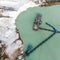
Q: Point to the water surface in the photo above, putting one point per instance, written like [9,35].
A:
[51,49]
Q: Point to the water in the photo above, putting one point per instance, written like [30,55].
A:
[51,49]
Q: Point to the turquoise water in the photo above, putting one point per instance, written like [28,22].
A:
[51,49]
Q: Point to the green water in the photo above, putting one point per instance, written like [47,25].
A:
[51,49]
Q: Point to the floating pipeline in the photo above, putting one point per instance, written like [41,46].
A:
[49,29]
[41,43]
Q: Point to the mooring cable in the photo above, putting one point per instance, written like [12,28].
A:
[41,43]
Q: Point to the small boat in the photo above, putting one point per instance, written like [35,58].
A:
[37,22]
